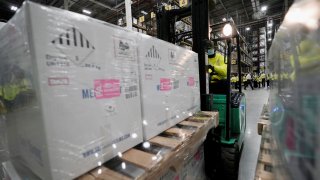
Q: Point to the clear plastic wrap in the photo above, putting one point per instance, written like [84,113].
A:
[295,99]
[70,88]
[169,84]
[76,92]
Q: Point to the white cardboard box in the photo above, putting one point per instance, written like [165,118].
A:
[169,81]
[80,102]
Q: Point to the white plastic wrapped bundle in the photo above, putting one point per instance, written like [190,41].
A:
[71,90]
[70,85]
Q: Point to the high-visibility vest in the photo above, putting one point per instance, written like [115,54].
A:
[220,67]
[244,79]
[10,91]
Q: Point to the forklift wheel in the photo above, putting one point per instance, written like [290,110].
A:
[230,157]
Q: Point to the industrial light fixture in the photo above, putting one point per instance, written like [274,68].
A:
[143,12]
[227,30]
[13,8]
[269,39]
[264,8]
[86,11]
[247,28]
[269,32]
[224,19]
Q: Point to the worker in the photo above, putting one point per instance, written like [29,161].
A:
[263,79]
[218,72]
[268,80]
[244,79]
[237,82]
[233,81]
[271,80]
[259,80]
[15,88]
[255,80]
[249,80]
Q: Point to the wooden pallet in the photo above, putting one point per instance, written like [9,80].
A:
[173,146]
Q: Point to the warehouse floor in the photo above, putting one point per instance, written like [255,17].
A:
[255,101]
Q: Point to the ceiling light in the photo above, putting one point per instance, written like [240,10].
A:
[86,11]
[270,25]
[247,28]
[269,39]
[143,12]
[264,8]
[14,8]
[269,32]
[224,19]
[227,30]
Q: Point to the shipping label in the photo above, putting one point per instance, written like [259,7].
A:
[153,60]
[72,46]
[103,89]
[165,84]
[124,48]
[107,88]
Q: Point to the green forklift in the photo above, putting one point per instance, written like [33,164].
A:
[223,145]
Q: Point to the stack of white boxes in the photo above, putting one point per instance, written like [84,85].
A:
[82,103]
[79,104]
[169,82]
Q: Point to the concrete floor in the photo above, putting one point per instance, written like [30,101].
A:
[255,101]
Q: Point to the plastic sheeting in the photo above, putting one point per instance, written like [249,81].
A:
[295,99]
[77,92]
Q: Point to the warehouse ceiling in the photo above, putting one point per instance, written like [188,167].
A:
[249,13]
[245,13]
[242,11]
[106,10]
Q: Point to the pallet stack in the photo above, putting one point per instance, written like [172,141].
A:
[269,166]
[168,152]
[264,169]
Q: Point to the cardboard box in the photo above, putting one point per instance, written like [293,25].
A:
[76,79]
[169,81]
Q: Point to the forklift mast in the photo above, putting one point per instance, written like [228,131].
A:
[200,32]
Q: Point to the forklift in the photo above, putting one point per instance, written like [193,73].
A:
[223,145]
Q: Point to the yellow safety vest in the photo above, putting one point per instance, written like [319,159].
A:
[10,91]
[244,79]
[308,54]
[220,67]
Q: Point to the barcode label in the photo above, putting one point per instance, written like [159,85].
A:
[131,95]
[131,88]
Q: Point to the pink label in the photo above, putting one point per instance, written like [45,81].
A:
[106,88]
[191,81]
[165,84]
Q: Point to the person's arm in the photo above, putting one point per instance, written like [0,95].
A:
[221,70]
